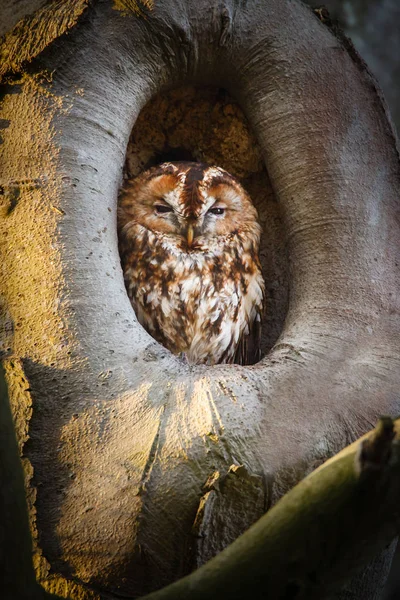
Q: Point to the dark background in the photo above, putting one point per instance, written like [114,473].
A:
[374,28]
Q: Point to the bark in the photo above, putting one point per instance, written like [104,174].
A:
[32,34]
[267,561]
[344,512]
[118,436]
[372,26]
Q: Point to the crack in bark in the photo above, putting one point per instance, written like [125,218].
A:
[151,458]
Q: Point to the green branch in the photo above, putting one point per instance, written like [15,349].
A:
[317,537]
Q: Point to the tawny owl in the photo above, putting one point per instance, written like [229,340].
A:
[189,240]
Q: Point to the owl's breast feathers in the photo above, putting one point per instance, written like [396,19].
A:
[205,303]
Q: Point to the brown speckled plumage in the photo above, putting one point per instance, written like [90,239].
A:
[189,241]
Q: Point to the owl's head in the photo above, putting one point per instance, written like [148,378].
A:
[191,203]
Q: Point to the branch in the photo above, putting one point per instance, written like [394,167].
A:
[317,536]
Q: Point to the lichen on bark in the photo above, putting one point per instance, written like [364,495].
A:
[30,36]
[133,6]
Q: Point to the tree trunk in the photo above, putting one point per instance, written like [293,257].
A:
[120,439]
[355,495]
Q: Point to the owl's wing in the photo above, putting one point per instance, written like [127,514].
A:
[248,350]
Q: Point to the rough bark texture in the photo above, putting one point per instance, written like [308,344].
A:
[122,437]
[35,32]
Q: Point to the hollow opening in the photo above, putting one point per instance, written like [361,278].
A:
[205,124]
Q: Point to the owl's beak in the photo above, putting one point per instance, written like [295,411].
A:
[190,235]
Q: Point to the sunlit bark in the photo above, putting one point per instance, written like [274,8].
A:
[307,546]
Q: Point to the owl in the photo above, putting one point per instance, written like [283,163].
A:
[189,240]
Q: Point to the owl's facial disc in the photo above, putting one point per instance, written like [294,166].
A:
[195,206]
[197,229]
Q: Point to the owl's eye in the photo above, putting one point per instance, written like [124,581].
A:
[162,208]
[216,210]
